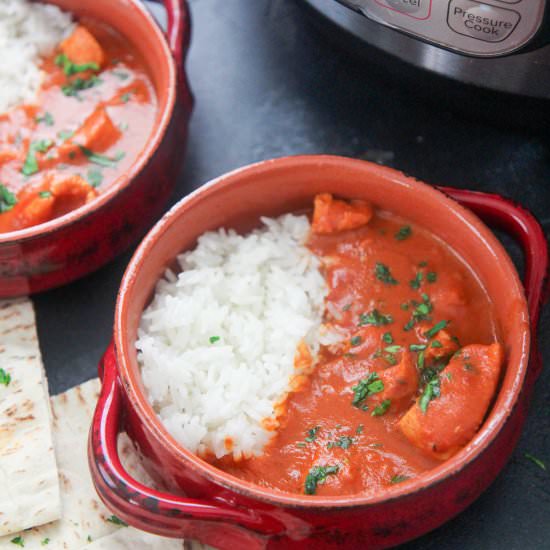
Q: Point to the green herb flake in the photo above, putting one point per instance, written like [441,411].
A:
[102,160]
[448,376]
[383,274]
[431,276]
[213,339]
[392,349]
[64,135]
[469,367]
[312,434]
[46,118]
[375,318]
[405,306]
[117,521]
[7,199]
[70,68]
[398,479]
[89,538]
[121,75]
[300,444]
[423,264]
[77,85]
[349,355]
[355,341]
[404,233]
[387,337]
[95,177]
[376,445]
[125,97]
[343,442]
[390,358]
[30,166]
[346,307]
[318,475]
[417,347]
[359,429]
[435,329]
[18,541]
[5,377]
[45,541]
[416,282]
[382,408]
[436,344]
[535,460]
[421,360]
[431,391]
[365,387]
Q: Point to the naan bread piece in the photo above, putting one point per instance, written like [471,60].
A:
[86,522]
[29,483]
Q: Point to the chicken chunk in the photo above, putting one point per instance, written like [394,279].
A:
[453,406]
[332,215]
[81,47]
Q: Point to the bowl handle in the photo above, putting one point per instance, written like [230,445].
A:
[525,228]
[178,28]
[155,511]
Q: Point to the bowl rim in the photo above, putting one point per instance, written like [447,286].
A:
[427,480]
[125,179]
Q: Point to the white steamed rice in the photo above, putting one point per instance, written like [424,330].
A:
[28,31]
[261,294]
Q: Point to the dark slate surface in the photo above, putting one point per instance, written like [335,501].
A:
[268,84]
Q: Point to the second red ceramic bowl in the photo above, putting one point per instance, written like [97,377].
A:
[227,512]
[63,249]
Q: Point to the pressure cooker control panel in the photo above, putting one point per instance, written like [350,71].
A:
[488,28]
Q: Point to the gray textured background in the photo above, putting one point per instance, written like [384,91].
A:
[268,84]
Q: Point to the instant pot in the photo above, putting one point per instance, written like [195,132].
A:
[497,45]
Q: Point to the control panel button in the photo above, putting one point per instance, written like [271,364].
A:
[418,9]
[481,21]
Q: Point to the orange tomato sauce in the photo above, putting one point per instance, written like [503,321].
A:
[362,421]
[93,115]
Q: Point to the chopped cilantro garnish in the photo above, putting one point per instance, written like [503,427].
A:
[375,318]
[381,409]
[5,377]
[344,442]
[70,68]
[95,177]
[64,135]
[125,97]
[421,360]
[388,338]
[448,376]
[423,264]
[45,194]
[213,339]
[405,306]
[431,276]
[355,341]
[89,538]
[45,541]
[417,347]
[403,233]
[435,329]
[469,367]
[346,307]
[392,349]
[79,84]
[7,199]
[436,344]
[383,274]
[300,444]
[536,461]
[365,387]
[18,541]
[318,475]
[390,358]
[121,75]
[117,521]
[102,160]
[421,311]
[359,429]
[31,164]
[46,118]
[312,434]
[399,479]
[431,391]
[415,283]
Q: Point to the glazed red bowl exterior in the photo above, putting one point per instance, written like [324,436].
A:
[227,512]
[68,247]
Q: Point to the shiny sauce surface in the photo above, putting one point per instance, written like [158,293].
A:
[389,267]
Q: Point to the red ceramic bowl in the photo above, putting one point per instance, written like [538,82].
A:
[71,246]
[227,512]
